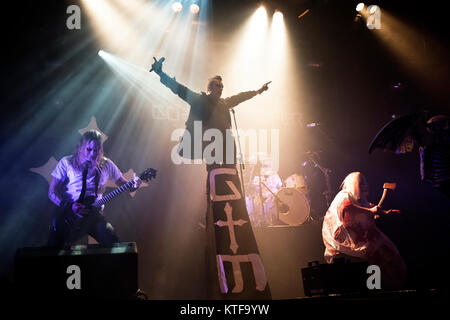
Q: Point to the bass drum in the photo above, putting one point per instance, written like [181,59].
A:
[292,206]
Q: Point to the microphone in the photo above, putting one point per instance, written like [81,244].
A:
[156,61]
[313,124]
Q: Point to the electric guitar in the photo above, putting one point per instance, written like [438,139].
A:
[68,217]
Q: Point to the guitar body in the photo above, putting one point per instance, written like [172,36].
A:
[68,220]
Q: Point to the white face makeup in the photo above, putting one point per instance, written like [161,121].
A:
[89,152]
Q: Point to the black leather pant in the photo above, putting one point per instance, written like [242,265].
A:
[94,224]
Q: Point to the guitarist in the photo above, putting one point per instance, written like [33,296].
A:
[349,230]
[80,179]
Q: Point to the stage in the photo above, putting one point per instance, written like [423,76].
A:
[258,121]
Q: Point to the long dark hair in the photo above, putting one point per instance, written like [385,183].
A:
[91,135]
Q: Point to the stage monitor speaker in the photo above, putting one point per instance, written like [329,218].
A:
[336,278]
[82,271]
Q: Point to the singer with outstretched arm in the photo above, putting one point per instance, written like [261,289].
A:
[209,108]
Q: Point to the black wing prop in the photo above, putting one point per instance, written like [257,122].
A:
[399,134]
[433,138]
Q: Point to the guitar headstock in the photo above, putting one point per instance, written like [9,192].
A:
[148,174]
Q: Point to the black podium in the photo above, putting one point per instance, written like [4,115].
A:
[81,271]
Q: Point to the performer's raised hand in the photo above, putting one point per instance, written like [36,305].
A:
[264,87]
[386,212]
[157,65]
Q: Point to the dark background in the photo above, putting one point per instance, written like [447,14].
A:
[351,94]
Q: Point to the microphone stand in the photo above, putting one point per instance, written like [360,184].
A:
[261,198]
[241,162]
[326,172]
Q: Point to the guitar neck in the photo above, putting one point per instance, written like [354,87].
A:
[108,197]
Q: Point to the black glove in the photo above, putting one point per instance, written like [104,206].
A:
[157,66]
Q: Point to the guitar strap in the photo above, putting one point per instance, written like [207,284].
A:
[83,188]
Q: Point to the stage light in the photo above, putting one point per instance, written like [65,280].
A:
[277,40]
[101,53]
[259,20]
[194,8]
[278,16]
[360,7]
[177,6]
[277,30]
[372,9]
[261,11]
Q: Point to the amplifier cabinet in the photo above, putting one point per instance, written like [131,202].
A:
[84,271]
[335,278]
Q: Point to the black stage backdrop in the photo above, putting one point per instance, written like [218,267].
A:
[53,84]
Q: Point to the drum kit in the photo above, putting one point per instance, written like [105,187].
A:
[271,201]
